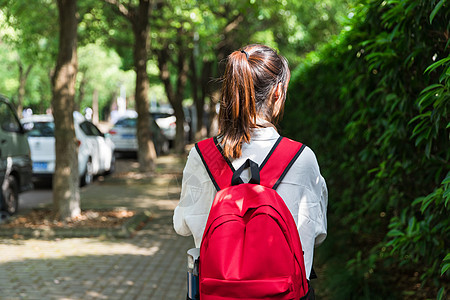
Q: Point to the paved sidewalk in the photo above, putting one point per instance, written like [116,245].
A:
[150,265]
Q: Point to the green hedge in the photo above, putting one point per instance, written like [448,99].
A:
[374,106]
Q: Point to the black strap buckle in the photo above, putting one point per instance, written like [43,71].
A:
[254,170]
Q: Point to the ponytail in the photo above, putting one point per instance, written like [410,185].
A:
[237,105]
[247,91]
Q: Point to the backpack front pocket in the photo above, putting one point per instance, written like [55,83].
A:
[271,288]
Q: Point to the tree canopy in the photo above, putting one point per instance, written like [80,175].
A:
[214,29]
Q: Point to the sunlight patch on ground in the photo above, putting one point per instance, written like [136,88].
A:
[41,249]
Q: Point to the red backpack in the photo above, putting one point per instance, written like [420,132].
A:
[250,247]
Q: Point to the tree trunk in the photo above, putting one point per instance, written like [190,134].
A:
[66,196]
[183,69]
[139,19]
[23,75]
[175,97]
[198,101]
[141,28]
[213,128]
[180,136]
[95,112]
[81,90]
[206,75]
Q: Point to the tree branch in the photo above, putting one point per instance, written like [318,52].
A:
[228,30]
[233,24]
[28,70]
[123,10]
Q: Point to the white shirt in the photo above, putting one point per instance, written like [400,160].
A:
[303,189]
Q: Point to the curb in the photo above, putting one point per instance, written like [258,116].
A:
[127,230]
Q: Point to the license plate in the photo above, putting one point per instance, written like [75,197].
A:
[39,166]
[128,136]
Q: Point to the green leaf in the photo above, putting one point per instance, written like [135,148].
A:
[421,116]
[417,201]
[445,268]
[433,66]
[419,129]
[426,203]
[427,99]
[411,226]
[430,87]
[435,10]
[428,146]
[446,179]
[395,232]
[440,294]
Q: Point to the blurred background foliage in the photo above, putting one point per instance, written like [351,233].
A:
[369,94]
[213,28]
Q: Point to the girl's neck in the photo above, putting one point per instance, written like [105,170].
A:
[262,123]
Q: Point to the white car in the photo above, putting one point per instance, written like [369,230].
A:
[167,123]
[95,152]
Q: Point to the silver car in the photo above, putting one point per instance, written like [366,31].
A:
[123,135]
[15,160]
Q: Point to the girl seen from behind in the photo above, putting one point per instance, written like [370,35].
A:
[253,94]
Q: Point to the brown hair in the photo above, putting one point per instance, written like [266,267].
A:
[251,77]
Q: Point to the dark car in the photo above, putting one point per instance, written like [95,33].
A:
[15,159]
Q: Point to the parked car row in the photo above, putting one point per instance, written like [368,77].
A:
[27,148]
[27,152]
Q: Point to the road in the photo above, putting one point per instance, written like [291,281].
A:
[35,198]
[42,194]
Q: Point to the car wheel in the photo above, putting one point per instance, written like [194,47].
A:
[165,147]
[10,201]
[157,149]
[88,175]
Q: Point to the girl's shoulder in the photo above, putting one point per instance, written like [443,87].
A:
[193,161]
[307,162]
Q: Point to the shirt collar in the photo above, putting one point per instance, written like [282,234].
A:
[264,134]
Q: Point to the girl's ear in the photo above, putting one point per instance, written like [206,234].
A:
[278,91]
[278,99]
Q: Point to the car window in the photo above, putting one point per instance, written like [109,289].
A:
[9,121]
[157,115]
[90,129]
[40,129]
[128,122]
[95,130]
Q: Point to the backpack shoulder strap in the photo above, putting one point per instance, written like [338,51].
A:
[278,162]
[219,168]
